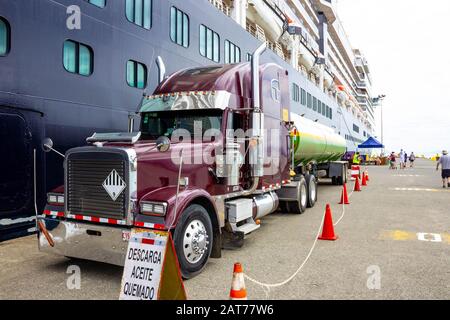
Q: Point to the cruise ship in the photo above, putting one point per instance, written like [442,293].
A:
[69,68]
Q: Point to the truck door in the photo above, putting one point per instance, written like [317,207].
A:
[275,100]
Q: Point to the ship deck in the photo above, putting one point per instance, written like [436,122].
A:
[396,228]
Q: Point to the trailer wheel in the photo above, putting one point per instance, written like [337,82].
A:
[299,206]
[311,182]
[340,181]
[193,238]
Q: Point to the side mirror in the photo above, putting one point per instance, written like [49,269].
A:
[163,144]
[47,145]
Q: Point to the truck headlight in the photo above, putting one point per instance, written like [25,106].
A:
[55,198]
[153,208]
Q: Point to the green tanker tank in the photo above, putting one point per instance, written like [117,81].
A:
[314,142]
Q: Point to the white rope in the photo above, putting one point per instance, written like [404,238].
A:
[267,286]
[343,209]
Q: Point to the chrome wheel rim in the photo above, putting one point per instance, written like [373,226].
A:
[195,241]
[312,189]
[303,195]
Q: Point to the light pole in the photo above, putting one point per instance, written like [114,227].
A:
[378,101]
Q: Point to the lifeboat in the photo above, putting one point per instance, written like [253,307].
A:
[306,58]
[272,25]
[342,95]
[328,80]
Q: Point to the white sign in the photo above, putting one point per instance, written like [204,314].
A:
[143,265]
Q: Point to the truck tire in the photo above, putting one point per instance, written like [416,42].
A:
[193,238]
[311,183]
[299,206]
[340,181]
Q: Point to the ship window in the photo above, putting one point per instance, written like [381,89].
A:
[249,57]
[5,37]
[323,109]
[355,128]
[209,44]
[98,3]
[139,12]
[136,74]
[303,97]
[232,52]
[309,101]
[78,58]
[295,92]
[315,104]
[331,114]
[179,27]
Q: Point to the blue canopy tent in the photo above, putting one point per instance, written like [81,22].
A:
[371,143]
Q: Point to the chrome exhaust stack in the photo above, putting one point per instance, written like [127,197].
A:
[257,118]
[162,69]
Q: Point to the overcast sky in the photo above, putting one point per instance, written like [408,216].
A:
[407,45]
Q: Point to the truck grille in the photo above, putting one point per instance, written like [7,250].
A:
[86,194]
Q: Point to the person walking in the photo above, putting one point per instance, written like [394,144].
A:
[412,158]
[402,159]
[406,159]
[392,161]
[444,161]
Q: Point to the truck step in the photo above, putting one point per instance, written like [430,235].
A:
[248,228]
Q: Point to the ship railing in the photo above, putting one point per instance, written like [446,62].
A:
[256,31]
[219,4]
[277,48]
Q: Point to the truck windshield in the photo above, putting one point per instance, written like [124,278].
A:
[164,123]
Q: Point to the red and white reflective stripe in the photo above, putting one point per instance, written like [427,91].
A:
[104,220]
[356,171]
[53,213]
[149,225]
[96,219]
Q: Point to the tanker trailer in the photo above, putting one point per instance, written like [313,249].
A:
[316,151]
[315,143]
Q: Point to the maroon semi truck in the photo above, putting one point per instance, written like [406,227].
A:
[212,157]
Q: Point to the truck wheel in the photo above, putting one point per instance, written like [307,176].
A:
[193,240]
[311,182]
[300,205]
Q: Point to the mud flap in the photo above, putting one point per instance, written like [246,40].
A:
[232,241]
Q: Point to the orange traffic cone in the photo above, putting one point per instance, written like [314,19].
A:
[367,175]
[357,186]
[364,180]
[238,291]
[328,227]
[344,197]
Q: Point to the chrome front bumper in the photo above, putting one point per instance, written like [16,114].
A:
[85,241]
